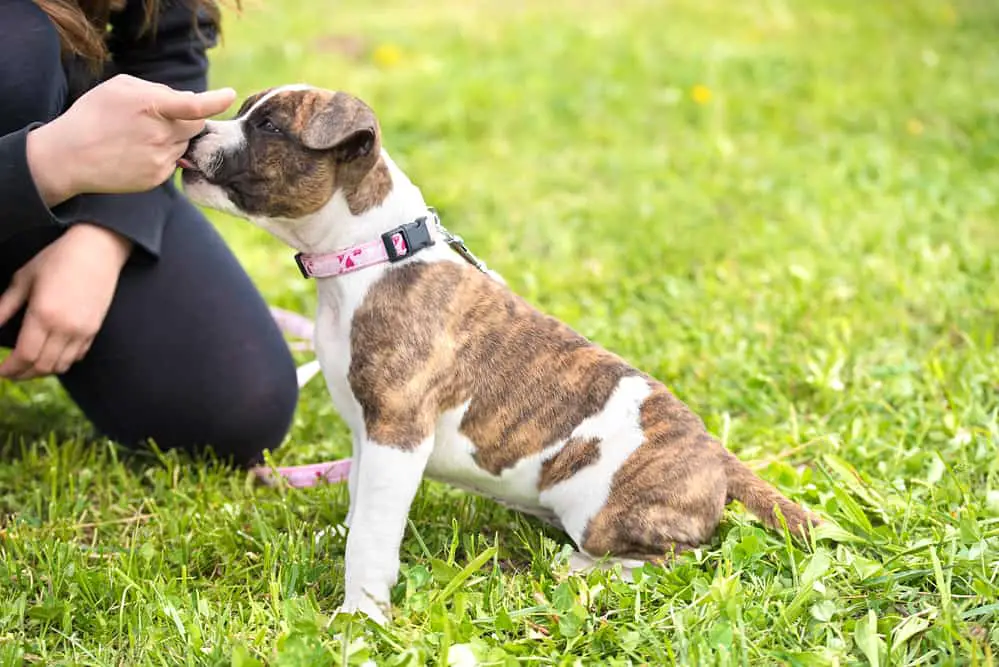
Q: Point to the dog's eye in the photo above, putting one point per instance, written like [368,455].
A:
[267,125]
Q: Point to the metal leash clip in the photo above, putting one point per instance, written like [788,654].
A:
[458,244]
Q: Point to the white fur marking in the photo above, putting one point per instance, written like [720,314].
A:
[203,193]
[291,87]
[619,428]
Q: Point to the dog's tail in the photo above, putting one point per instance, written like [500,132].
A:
[763,500]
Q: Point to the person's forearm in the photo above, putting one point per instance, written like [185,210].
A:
[49,167]
[36,191]
[108,160]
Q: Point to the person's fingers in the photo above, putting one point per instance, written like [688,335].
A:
[15,364]
[84,348]
[183,130]
[177,105]
[48,357]
[178,149]
[71,353]
[29,346]
[13,298]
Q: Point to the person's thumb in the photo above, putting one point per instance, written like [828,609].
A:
[178,105]
[13,298]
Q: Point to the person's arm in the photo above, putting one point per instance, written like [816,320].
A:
[32,195]
[22,204]
[124,136]
[33,191]
[31,198]
[173,54]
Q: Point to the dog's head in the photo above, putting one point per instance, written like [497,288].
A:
[285,156]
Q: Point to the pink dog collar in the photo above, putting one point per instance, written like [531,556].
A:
[399,243]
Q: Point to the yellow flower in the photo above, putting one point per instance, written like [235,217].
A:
[387,55]
[914,126]
[701,94]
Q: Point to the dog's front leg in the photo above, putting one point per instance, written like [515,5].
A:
[355,466]
[387,481]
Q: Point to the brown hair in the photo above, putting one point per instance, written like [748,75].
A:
[82,24]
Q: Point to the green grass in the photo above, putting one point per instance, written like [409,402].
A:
[784,210]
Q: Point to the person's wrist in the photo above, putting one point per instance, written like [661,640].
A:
[51,169]
[111,244]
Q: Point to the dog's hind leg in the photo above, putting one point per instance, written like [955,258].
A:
[387,481]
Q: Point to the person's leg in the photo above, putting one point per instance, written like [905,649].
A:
[189,355]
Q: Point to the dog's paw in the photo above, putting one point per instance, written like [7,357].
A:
[367,607]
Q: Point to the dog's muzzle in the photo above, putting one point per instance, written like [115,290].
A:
[186,160]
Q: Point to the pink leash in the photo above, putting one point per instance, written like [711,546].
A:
[302,476]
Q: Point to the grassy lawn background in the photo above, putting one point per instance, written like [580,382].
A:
[785,211]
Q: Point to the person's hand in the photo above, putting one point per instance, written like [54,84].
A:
[124,135]
[68,287]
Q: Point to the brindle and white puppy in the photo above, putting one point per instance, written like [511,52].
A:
[441,370]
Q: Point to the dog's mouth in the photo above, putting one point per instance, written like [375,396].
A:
[190,172]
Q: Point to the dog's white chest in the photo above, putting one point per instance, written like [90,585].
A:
[333,351]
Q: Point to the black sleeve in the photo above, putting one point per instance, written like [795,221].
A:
[31,92]
[139,217]
[174,54]
[20,200]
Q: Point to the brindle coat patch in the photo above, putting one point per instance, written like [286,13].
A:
[575,454]
[429,337]
[371,191]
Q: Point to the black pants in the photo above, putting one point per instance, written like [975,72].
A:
[188,355]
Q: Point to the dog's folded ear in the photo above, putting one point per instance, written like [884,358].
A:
[346,126]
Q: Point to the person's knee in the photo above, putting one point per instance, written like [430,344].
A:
[258,418]
[234,418]
[235,424]
[32,82]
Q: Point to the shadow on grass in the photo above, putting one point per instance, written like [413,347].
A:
[38,417]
